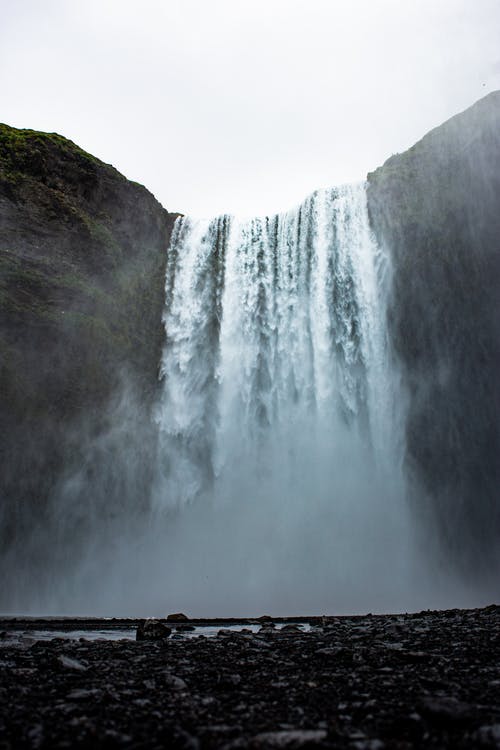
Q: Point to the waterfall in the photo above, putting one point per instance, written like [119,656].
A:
[276,336]
[280,451]
[271,479]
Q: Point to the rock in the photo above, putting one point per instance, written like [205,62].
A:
[267,627]
[177,617]
[35,735]
[151,630]
[174,682]
[70,663]
[84,694]
[256,692]
[368,745]
[447,709]
[488,736]
[289,739]
[415,657]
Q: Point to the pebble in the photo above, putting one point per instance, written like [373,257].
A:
[338,686]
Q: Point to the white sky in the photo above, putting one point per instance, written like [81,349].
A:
[244,106]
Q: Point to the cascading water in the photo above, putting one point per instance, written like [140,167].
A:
[272,479]
[279,434]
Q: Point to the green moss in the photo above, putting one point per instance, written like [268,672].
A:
[17,146]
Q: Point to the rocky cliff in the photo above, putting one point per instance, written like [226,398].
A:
[82,261]
[437,209]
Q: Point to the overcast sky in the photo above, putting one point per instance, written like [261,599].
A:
[245,107]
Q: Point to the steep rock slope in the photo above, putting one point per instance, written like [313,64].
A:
[437,209]
[82,260]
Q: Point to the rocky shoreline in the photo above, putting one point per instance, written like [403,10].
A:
[426,680]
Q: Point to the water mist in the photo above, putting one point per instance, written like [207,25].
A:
[281,416]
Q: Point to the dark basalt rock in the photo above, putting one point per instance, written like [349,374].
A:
[436,208]
[177,617]
[151,630]
[346,688]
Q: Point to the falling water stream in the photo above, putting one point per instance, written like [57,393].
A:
[280,416]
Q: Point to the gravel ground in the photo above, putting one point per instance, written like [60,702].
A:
[427,680]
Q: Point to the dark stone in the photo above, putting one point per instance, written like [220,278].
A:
[177,617]
[151,630]
[229,692]
[445,709]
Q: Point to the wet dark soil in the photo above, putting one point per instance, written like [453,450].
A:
[427,680]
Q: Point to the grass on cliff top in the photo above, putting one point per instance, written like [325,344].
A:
[23,154]
[18,147]
[27,140]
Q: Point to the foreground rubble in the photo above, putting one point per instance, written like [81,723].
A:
[427,680]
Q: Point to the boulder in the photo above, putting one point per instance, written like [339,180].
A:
[151,630]
[177,617]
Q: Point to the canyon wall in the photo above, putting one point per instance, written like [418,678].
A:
[436,207]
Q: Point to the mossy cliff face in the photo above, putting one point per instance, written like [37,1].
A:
[437,209]
[82,260]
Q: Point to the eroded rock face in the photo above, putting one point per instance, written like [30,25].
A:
[82,259]
[436,208]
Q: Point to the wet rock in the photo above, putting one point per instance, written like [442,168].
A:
[488,736]
[174,682]
[84,694]
[151,630]
[70,663]
[35,735]
[444,709]
[244,691]
[291,739]
[267,627]
[368,745]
